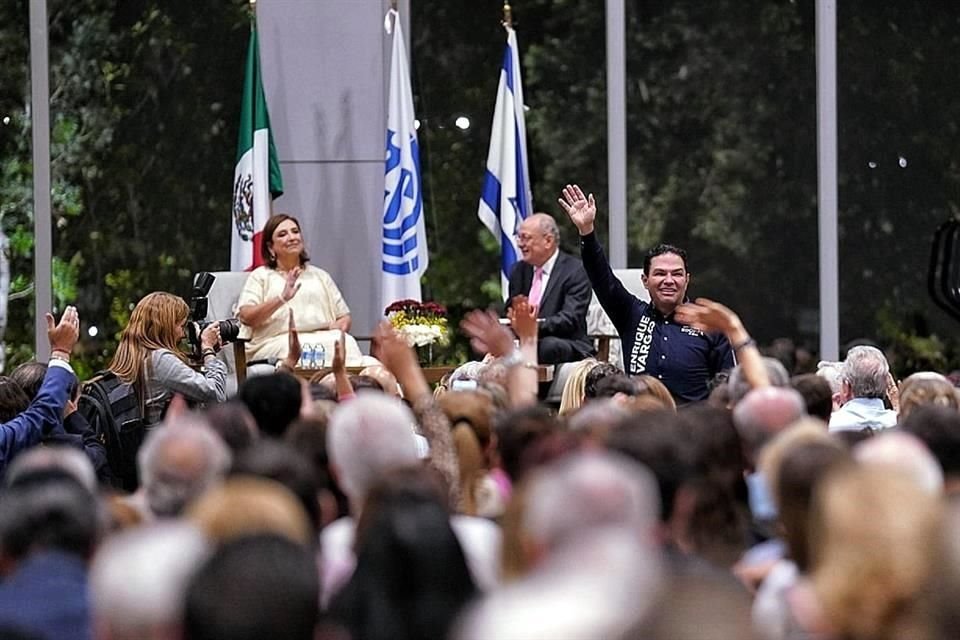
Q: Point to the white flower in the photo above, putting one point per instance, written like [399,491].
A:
[420,335]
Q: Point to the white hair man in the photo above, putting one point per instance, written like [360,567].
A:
[367,437]
[591,548]
[863,386]
[138,580]
[177,462]
[738,385]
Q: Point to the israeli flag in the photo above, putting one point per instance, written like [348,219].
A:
[506,199]
[404,252]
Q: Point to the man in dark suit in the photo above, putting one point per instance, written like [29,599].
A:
[557,285]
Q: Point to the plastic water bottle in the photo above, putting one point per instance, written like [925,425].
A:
[320,354]
[302,362]
[309,357]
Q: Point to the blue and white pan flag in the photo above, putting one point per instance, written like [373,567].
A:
[506,199]
[404,248]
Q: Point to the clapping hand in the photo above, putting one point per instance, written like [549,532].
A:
[393,350]
[581,209]
[523,319]
[486,333]
[339,364]
[291,286]
[293,343]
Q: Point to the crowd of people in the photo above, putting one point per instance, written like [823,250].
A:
[701,491]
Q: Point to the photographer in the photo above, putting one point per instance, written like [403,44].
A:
[150,358]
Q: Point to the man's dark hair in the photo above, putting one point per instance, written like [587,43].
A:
[276,460]
[273,400]
[816,393]
[595,375]
[254,587]
[365,383]
[13,400]
[47,510]
[29,376]
[652,439]
[661,249]
[609,386]
[230,420]
[322,392]
[517,431]
[939,429]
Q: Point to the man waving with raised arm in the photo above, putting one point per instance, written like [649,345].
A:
[683,357]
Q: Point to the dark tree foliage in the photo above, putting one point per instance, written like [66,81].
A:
[721,143]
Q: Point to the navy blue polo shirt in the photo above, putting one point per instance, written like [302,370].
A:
[682,357]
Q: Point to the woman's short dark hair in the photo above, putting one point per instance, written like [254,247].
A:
[267,237]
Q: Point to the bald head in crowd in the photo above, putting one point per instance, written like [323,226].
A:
[738,385]
[765,412]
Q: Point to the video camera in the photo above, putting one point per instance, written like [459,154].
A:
[229,328]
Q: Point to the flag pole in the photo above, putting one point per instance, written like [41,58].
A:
[507,15]
[253,11]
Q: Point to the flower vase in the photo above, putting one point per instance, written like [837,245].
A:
[425,355]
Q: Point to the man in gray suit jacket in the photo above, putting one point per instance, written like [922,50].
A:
[555,283]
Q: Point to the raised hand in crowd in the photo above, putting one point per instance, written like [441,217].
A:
[713,317]
[291,286]
[401,360]
[63,336]
[893,392]
[486,333]
[581,209]
[339,368]
[523,319]
[177,408]
[294,349]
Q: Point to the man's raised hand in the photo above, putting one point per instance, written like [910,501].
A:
[63,335]
[581,209]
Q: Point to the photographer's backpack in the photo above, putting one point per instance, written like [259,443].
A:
[112,407]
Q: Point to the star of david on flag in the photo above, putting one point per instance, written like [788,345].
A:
[506,198]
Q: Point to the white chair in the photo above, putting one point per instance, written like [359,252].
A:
[222,304]
[601,329]
[599,325]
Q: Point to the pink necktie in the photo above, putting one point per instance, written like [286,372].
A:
[536,289]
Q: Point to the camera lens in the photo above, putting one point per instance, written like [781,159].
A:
[229,329]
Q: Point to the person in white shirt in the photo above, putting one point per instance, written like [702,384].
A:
[863,386]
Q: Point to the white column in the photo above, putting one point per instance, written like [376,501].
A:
[40,125]
[827,178]
[617,132]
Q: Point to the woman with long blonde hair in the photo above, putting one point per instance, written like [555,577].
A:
[149,357]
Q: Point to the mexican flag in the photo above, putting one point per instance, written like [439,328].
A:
[256,178]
